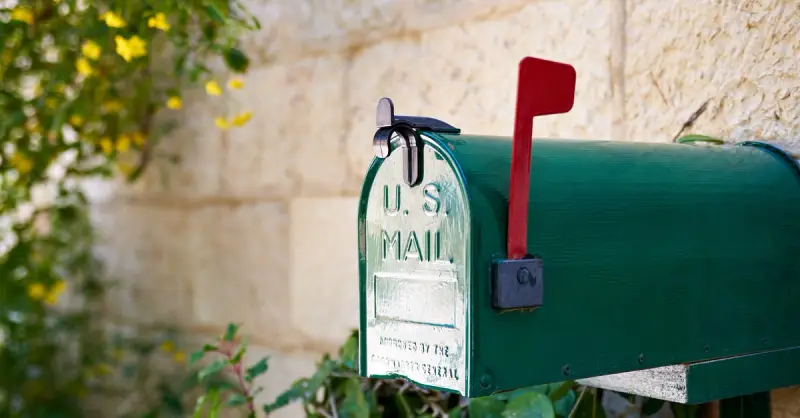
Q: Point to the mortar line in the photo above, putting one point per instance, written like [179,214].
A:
[617,70]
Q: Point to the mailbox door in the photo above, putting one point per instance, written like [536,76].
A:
[414,268]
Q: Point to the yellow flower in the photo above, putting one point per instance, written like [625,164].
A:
[37,291]
[213,89]
[32,125]
[84,67]
[125,168]
[76,120]
[112,106]
[55,293]
[113,20]
[167,346]
[179,357]
[60,88]
[159,21]
[103,369]
[50,102]
[123,143]
[138,139]
[91,49]
[221,123]
[174,102]
[22,14]
[131,48]
[241,119]
[107,145]
[236,83]
[21,163]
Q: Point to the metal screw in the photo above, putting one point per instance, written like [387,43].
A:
[523,275]
[486,381]
[641,358]
[707,348]
[567,370]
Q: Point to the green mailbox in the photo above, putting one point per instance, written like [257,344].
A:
[491,263]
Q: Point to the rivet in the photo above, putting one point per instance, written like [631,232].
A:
[486,381]
[640,359]
[523,275]
[707,348]
[567,370]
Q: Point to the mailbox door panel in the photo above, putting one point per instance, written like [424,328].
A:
[415,273]
[653,254]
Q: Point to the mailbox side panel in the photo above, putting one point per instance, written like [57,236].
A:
[414,271]
[653,254]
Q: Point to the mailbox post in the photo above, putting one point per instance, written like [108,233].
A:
[489,264]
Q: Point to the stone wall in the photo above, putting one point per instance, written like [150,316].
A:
[257,224]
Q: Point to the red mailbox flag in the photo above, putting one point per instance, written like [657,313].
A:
[544,88]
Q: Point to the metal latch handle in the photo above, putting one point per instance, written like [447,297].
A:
[406,127]
[544,88]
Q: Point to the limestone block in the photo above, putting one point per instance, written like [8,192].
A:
[143,249]
[467,74]
[294,28]
[741,57]
[295,142]
[237,263]
[324,267]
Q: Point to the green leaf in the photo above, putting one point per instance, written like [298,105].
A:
[349,351]
[530,405]
[214,13]
[237,358]
[237,60]
[256,23]
[455,412]
[201,401]
[486,407]
[236,399]
[295,392]
[198,355]
[354,404]
[557,390]
[212,368]
[230,333]
[213,411]
[257,369]
[507,396]
[565,404]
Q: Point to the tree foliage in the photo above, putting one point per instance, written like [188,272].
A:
[81,84]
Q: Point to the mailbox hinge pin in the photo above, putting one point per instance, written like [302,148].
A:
[406,127]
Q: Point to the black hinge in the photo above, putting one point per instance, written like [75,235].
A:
[406,127]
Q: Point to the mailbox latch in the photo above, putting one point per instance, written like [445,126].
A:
[406,127]
[517,284]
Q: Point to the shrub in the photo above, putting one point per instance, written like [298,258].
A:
[80,85]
